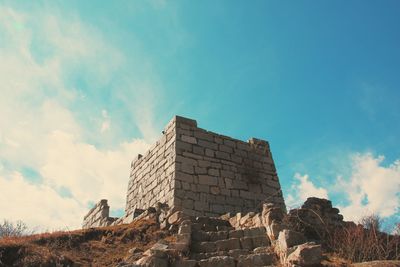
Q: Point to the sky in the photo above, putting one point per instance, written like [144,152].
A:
[87,85]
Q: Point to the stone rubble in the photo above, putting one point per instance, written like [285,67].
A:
[215,241]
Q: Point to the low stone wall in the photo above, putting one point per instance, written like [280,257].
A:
[98,216]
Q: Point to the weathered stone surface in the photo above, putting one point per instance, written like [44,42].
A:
[235,233]
[152,261]
[315,218]
[289,238]
[177,217]
[273,230]
[260,259]
[305,255]
[190,165]
[235,253]
[184,263]
[220,235]
[246,243]
[218,261]
[228,244]
[204,247]
[98,216]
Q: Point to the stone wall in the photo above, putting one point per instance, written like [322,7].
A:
[98,216]
[151,178]
[203,173]
[216,174]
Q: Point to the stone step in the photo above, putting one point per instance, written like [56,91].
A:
[202,256]
[232,258]
[201,235]
[247,242]
[218,261]
[209,224]
[259,259]
[209,236]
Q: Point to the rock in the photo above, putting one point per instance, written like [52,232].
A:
[383,263]
[260,241]
[185,229]
[235,253]
[307,254]
[204,247]
[228,244]
[183,238]
[260,259]
[235,234]
[252,232]
[246,243]
[218,261]
[273,230]
[289,238]
[220,235]
[271,213]
[177,217]
[184,263]
[152,261]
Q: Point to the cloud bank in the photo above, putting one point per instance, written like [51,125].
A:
[370,188]
[51,169]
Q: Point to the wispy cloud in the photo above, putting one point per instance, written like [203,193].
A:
[43,124]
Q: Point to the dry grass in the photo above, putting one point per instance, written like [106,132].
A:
[359,244]
[103,246]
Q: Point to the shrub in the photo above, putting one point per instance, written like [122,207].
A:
[10,229]
[364,242]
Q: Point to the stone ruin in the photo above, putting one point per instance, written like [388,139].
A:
[221,200]
[198,172]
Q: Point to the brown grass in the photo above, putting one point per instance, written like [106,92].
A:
[103,246]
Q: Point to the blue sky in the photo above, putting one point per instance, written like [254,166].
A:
[87,85]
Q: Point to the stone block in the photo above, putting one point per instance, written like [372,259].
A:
[204,247]
[208,180]
[260,241]
[289,238]
[235,253]
[184,263]
[218,261]
[189,139]
[228,244]
[235,234]
[246,243]
[260,259]
[220,235]
[307,254]
[200,236]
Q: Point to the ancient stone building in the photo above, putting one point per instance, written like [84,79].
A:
[202,173]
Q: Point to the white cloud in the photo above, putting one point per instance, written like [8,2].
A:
[39,129]
[40,206]
[370,188]
[303,189]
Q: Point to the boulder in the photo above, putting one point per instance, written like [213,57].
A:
[218,261]
[289,238]
[307,254]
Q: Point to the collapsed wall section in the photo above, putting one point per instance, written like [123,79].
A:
[151,177]
[98,216]
[216,174]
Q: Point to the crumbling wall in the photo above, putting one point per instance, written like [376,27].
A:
[203,173]
[98,216]
[216,174]
[151,178]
